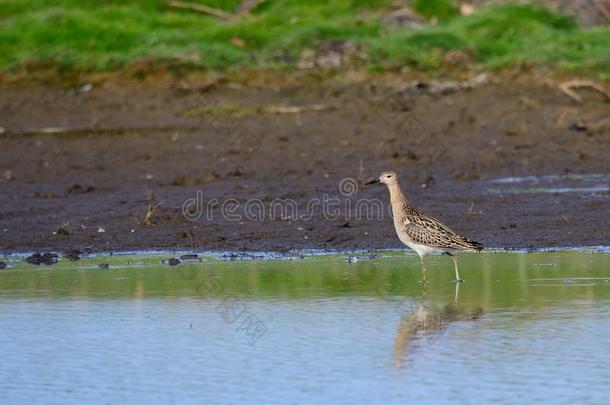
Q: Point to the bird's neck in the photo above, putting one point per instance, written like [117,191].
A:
[400,204]
[396,195]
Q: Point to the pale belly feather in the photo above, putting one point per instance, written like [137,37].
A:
[421,250]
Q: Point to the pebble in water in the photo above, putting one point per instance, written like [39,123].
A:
[190,258]
[46,258]
[72,255]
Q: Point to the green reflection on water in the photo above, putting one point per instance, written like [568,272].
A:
[500,280]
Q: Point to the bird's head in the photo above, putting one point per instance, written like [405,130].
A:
[388,178]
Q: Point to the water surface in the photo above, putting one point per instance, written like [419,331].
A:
[522,327]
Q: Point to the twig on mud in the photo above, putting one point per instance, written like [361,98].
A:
[240,111]
[564,115]
[152,207]
[53,130]
[471,210]
[567,89]
[198,87]
[216,12]
[94,130]
[296,109]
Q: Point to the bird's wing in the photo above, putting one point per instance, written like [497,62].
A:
[432,232]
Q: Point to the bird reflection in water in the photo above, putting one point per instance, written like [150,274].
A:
[423,323]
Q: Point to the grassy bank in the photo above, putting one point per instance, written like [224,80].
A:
[95,35]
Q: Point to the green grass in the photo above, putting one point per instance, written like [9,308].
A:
[98,35]
[441,10]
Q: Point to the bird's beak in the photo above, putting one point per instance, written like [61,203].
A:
[374,181]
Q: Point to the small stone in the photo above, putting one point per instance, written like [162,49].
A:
[103,265]
[402,17]
[64,229]
[578,127]
[7,175]
[78,189]
[46,258]
[72,254]
[190,258]
[85,88]
[467,9]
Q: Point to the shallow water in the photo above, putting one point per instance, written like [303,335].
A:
[591,185]
[522,327]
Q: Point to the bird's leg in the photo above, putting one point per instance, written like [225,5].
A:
[457,273]
[457,294]
[423,270]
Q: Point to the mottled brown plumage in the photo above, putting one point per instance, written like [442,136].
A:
[420,232]
[429,231]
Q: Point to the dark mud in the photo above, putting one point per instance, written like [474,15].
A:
[110,168]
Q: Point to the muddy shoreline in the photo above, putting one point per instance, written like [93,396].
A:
[81,167]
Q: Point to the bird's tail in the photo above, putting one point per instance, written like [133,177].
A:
[475,245]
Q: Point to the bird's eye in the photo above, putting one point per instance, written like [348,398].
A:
[388,176]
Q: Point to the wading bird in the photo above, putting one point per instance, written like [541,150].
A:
[422,233]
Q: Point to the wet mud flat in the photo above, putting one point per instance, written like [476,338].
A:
[152,164]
